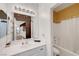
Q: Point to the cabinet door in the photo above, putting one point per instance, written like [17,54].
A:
[39,51]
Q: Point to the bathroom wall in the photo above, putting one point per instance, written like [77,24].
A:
[45,25]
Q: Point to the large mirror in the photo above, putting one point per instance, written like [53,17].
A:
[22,26]
[3,24]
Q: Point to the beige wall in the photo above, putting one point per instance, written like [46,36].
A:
[66,13]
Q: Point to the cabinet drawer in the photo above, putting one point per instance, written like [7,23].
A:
[39,51]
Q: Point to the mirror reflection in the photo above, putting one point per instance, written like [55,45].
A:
[3,24]
[3,28]
[23,26]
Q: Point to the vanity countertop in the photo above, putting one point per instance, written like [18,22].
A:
[16,47]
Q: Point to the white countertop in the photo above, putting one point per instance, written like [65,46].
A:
[17,47]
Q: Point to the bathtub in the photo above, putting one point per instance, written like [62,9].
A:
[65,52]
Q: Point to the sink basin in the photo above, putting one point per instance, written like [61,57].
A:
[18,42]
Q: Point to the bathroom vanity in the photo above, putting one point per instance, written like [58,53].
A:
[29,48]
[21,40]
[38,51]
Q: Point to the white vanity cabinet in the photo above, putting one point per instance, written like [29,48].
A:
[39,51]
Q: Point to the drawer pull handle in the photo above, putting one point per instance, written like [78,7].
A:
[41,49]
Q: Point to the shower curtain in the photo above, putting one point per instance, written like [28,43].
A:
[67,33]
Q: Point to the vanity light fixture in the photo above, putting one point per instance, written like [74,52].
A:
[25,10]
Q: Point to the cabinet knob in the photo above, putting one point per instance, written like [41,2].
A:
[41,49]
